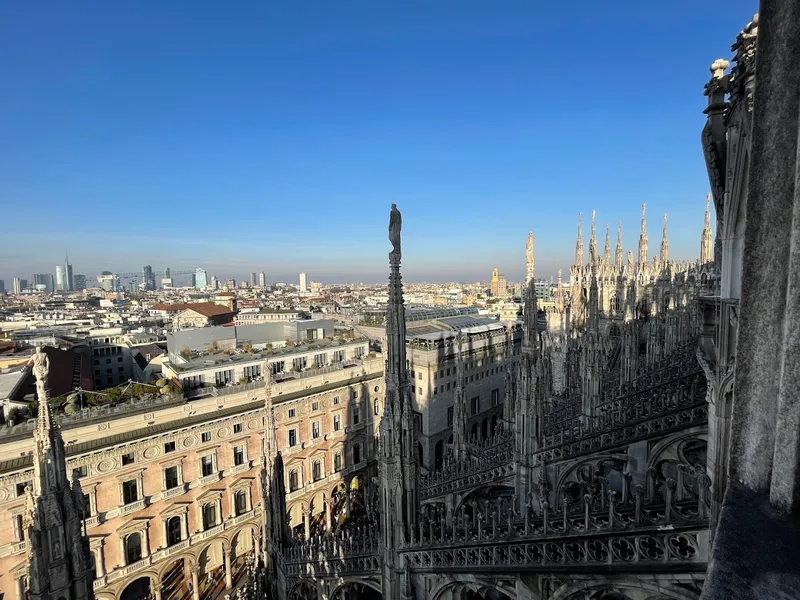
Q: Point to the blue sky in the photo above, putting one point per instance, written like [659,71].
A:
[242,136]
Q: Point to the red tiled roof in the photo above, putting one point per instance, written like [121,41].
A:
[209,309]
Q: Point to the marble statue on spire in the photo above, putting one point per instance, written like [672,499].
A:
[395,223]
[529,257]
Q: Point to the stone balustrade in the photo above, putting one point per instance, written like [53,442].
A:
[164,553]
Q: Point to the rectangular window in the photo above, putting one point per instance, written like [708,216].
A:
[450,417]
[315,429]
[238,456]
[476,405]
[336,399]
[337,461]
[337,422]
[171,477]
[448,370]
[81,471]
[419,390]
[87,506]
[495,396]
[448,386]
[292,413]
[294,481]
[355,394]
[237,428]
[315,406]
[356,454]
[119,359]
[207,465]
[209,515]
[169,447]
[130,491]
[292,437]
[356,416]
[205,436]
[316,470]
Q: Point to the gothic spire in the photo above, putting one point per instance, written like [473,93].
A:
[398,463]
[460,404]
[579,243]
[593,242]
[530,258]
[706,244]
[618,257]
[607,247]
[594,301]
[643,238]
[664,254]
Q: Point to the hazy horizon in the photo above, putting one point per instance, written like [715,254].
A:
[269,136]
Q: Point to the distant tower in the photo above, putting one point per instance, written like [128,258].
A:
[253,279]
[643,238]
[214,282]
[262,279]
[706,243]
[80,282]
[148,278]
[69,280]
[61,279]
[664,254]
[593,243]
[200,278]
[54,511]
[303,283]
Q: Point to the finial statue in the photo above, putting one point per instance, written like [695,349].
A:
[718,68]
[41,366]
[395,223]
[529,248]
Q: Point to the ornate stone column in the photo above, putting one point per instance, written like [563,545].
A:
[196,582]
[307,522]
[20,583]
[226,553]
[329,515]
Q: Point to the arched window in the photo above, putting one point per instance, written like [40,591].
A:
[173,530]
[616,303]
[240,502]
[133,548]
[316,470]
[209,515]
[666,302]
[294,480]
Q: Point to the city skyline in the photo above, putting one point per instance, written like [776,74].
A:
[449,112]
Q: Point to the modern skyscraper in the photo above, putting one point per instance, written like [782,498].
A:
[167,274]
[79,281]
[253,279]
[148,278]
[44,279]
[2,287]
[303,283]
[200,279]
[62,284]
[19,285]
[262,279]
[214,282]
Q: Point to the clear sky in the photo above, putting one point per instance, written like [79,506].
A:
[274,135]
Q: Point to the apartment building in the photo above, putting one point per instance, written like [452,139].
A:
[172,485]
[487,346]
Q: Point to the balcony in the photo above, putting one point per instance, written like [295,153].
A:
[129,508]
[161,554]
[204,535]
[213,478]
[245,466]
[127,570]
[233,522]
[13,548]
[173,492]
[92,521]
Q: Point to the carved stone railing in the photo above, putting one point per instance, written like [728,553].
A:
[492,463]
[333,555]
[563,413]
[597,529]
[673,406]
